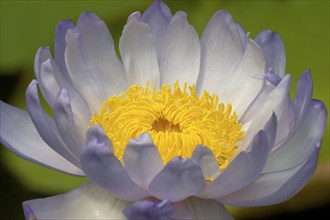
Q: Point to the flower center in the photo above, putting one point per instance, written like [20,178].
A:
[177,121]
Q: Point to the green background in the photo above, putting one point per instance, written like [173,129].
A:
[28,25]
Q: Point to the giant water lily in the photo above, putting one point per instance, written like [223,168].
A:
[175,129]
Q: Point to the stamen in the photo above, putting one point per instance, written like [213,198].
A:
[177,121]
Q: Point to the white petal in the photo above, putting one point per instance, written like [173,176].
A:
[138,52]
[242,87]
[180,58]
[27,143]
[142,160]
[86,202]
[206,209]
[221,53]
[97,50]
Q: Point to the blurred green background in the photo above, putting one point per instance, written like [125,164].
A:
[27,25]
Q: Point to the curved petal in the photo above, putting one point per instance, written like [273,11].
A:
[206,160]
[278,102]
[142,160]
[138,52]
[146,209]
[65,123]
[206,209]
[243,86]
[221,52]
[157,16]
[51,80]
[45,125]
[275,187]
[181,52]
[27,143]
[87,83]
[244,169]
[303,98]
[97,50]
[297,148]
[86,202]
[274,51]
[60,45]
[102,167]
[179,179]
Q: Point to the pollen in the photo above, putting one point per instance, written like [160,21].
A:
[177,120]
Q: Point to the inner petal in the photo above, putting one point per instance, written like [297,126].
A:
[177,121]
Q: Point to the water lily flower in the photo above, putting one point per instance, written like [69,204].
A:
[175,129]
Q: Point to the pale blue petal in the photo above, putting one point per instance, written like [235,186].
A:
[243,170]
[179,179]
[147,210]
[27,143]
[274,51]
[206,160]
[65,123]
[102,167]
[275,187]
[298,146]
[60,45]
[45,125]
[157,16]
[142,160]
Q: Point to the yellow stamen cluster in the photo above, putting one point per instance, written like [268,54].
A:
[177,121]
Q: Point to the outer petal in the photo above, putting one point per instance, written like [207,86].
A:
[278,102]
[102,167]
[244,169]
[297,148]
[64,121]
[206,160]
[221,53]
[180,58]
[45,125]
[138,52]
[241,87]
[86,82]
[275,187]
[27,143]
[157,16]
[303,98]
[146,209]
[179,179]
[86,202]
[51,80]
[97,50]
[273,50]
[142,160]
[60,45]
[206,209]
